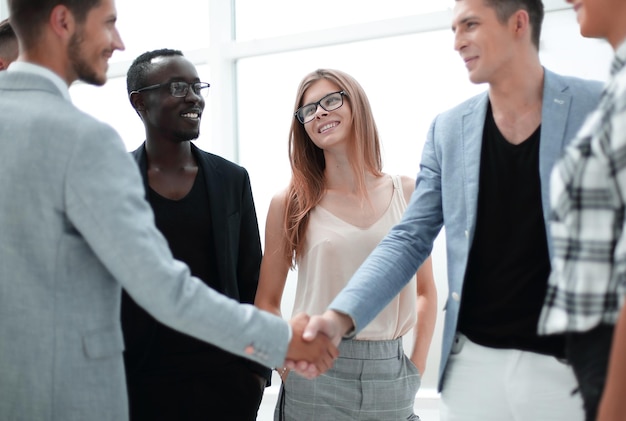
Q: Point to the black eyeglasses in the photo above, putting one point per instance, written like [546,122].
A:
[181,89]
[330,102]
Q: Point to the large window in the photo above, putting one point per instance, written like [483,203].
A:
[152,24]
[264,19]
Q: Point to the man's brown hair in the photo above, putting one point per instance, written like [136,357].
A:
[28,16]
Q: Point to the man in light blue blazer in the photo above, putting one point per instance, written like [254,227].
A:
[75,227]
[484,175]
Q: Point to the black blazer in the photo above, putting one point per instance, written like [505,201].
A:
[237,247]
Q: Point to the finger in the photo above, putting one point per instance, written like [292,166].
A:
[301,317]
[324,362]
[305,373]
[333,351]
[314,325]
[302,365]
[311,372]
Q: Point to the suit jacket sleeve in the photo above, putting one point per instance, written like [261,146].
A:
[105,202]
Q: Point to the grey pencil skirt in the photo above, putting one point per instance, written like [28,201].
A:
[371,380]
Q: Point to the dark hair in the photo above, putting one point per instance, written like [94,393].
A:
[138,71]
[506,8]
[6,31]
[28,16]
[8,42]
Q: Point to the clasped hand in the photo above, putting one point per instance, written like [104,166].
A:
[310,353]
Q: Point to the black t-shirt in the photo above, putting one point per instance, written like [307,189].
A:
[509,264]
[153,348]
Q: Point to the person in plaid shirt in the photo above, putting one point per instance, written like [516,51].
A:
[588,196]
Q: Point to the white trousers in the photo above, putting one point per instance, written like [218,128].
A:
[486,384]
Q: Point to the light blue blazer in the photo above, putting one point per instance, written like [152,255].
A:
[446,194]
[74,229]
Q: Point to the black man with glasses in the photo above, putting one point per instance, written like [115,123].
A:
[204,207]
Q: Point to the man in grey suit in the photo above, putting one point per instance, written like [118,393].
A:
[485,175]
[75,227]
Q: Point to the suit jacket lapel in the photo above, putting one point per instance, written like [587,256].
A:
[473,124]
[555,110]
[557,100]
[142,161]
[217,202]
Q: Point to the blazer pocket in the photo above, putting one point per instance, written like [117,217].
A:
[103,343]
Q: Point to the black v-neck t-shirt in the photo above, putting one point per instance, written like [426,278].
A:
[187,226]
[509,264]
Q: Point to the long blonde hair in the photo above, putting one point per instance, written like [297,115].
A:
[307,161]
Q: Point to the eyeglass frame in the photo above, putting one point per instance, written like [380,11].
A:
[341,93]
[160,85]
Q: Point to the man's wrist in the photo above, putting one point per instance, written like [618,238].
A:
[345,323]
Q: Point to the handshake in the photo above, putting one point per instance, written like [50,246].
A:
[314,341]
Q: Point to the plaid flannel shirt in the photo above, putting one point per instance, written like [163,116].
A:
[588,198]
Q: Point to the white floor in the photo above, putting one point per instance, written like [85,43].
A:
[426,403]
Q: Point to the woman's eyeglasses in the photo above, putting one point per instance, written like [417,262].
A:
[330,102]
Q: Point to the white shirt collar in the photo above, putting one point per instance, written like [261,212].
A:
[26,67]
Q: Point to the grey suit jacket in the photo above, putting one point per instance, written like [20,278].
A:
[74,229]
[446,193]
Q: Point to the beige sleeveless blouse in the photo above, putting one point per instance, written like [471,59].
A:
[333,251]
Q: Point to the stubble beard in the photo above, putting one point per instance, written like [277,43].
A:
[83,69]
[188,135]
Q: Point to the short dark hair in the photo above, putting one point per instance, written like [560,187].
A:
[506,8]
[8,41]
[138,71]
[6,31]
[28,16]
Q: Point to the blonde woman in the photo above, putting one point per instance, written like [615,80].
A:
[337,207]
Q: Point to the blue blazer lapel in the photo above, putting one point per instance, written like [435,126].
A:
[554,114]
[556,105]
[473,124]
